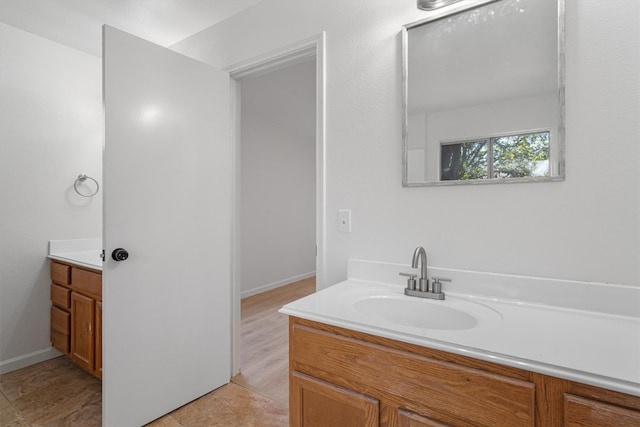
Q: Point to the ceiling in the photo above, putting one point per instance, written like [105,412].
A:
[78,23]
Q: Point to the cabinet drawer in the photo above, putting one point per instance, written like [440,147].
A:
[60,329]
[60,273]
[86,281]
[61,296]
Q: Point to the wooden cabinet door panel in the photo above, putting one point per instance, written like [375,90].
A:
[582,412]
[83,311]
[316,403]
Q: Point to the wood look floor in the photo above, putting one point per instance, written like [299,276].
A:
[265,340]
[59,393]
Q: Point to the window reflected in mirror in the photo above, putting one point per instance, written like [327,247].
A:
[502,157]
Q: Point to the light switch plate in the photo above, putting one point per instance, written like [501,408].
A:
[344,221]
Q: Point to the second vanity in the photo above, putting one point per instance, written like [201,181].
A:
[498,351]
[76,301]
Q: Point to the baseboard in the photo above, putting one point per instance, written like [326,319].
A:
[28,359]
[274,285]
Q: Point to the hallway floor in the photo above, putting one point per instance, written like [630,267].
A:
[59,393]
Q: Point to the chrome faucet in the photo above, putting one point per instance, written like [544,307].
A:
[421,288]
[420,256]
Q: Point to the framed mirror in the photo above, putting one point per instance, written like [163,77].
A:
[483,94]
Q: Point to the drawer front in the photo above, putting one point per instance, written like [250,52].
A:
[86,281]
[60,329]
[60,273]
[583,412]
[61,296]
[489,399]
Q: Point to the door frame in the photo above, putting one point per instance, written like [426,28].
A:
[294,53]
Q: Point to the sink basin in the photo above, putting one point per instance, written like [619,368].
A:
[415,312]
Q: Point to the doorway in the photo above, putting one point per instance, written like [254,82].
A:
[277,178]
[278,101]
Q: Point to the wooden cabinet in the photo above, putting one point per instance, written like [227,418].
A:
[76,314]
[365,380]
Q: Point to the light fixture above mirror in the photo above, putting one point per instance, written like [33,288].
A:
[434,4]
[483,94]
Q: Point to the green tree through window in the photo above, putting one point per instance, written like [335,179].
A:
[512,156]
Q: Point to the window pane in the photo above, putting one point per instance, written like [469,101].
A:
[464,161]
[519,156]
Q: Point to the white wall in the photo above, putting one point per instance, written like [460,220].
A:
[586,228]
[278,205]
[277,178]
[51,114]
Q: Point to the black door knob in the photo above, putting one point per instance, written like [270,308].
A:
[119,254]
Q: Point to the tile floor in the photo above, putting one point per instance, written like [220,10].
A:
[59,393]
[52,393]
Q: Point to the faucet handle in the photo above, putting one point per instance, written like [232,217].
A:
[412,275]
[436,285]
[411,281]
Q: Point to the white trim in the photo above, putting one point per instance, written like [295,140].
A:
[236,227]
[321,164]
[28,359]
[275,285]
[285,56]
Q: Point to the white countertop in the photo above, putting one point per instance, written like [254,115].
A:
[81,252]
[597,348]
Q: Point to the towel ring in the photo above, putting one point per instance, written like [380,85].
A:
[82,178]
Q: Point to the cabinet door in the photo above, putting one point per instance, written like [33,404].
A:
[581,412]
[409,419]
[83,310]
[316,403]
[98,333]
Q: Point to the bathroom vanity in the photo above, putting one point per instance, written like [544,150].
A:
[76,307]
[342,377]
[355,367]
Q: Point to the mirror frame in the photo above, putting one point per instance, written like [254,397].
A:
[454,9]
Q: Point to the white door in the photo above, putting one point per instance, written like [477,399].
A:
[167,202]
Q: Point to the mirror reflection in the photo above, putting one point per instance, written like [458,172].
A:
[484,94]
